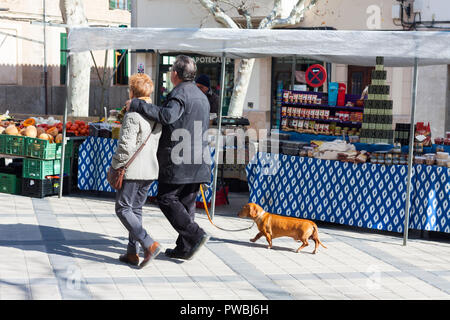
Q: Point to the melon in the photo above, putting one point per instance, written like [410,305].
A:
[12,130]
[31,131]
[58,138]
[44,136]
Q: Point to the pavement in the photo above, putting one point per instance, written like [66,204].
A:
[68,248]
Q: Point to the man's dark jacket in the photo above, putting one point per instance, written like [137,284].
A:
[185,105]
[213,101]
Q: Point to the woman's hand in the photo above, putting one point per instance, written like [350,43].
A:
[127,105]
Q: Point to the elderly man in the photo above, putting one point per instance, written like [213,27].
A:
[181,171]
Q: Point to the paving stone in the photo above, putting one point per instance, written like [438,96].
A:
[50,249]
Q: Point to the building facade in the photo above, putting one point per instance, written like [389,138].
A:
[29,70]
[268,73]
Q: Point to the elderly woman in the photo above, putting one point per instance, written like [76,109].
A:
[139,175]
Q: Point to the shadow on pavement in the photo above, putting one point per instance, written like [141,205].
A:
[259,244]
[78,245]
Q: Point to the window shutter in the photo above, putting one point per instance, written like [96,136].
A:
[63,58]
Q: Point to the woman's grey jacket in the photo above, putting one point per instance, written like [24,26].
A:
[135,129]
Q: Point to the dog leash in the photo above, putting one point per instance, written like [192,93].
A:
[210,220]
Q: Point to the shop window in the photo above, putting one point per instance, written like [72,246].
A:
[120,4]
[358,78]
[284,79]
[210,66]
[63,58]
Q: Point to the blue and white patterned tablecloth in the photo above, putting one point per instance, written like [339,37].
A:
[94,159]
[363,195]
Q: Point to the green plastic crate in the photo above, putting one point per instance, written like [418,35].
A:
[68,152]
[2,143]
[57,166]
[9,183]
[40,149]
[14,145]
[39,169]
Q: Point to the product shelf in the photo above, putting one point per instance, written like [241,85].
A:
[326,120]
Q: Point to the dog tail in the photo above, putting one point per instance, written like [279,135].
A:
[316,236]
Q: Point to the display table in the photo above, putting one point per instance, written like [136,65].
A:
[363,195]
[307,137]
[94,159]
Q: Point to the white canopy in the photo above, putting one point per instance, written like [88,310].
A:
[399,48]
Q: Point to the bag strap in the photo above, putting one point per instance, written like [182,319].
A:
[140,148]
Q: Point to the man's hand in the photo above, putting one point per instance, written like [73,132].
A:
[127,105]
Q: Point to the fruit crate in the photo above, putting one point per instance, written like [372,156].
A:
[68,151]
[39,169]
[2,143]
[37,188]
[14,145]
[67,187]
[10,183]
[40,188]
[40,149]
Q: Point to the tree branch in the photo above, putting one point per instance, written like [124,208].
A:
[272,15]
[244,12]
[219,15]
[295,15]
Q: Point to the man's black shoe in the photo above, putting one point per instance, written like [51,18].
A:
[197,246]
[172,253]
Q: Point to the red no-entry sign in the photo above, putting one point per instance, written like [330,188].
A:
[316,75]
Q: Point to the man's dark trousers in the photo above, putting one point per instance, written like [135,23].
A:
[177,202]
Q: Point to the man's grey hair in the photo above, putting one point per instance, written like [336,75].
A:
[185,67]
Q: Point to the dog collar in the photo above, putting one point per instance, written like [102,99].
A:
[260,215]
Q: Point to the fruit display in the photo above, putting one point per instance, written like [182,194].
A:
[37,127]
[78,128]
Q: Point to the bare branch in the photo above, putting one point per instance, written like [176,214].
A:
[295,15]
[244,12]
[241,10]
[272,15]
[219,15]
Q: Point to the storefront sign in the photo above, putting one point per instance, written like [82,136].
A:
[210,60]
[316,75]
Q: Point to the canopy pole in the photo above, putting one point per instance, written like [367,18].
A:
[293,67]
[219,135]
[156,93]
[63,149]
[410,153]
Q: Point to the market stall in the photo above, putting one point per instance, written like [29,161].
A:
[397,48]
[31,152]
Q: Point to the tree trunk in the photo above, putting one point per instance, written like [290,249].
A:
[72,12]
[242,81]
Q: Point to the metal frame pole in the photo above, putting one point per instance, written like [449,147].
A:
[410,153]
[63,149]
[219,135]
[293,67]
[156,93]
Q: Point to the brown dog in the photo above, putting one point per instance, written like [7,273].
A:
[274,226]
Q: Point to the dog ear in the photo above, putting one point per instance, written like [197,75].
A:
[253,211]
